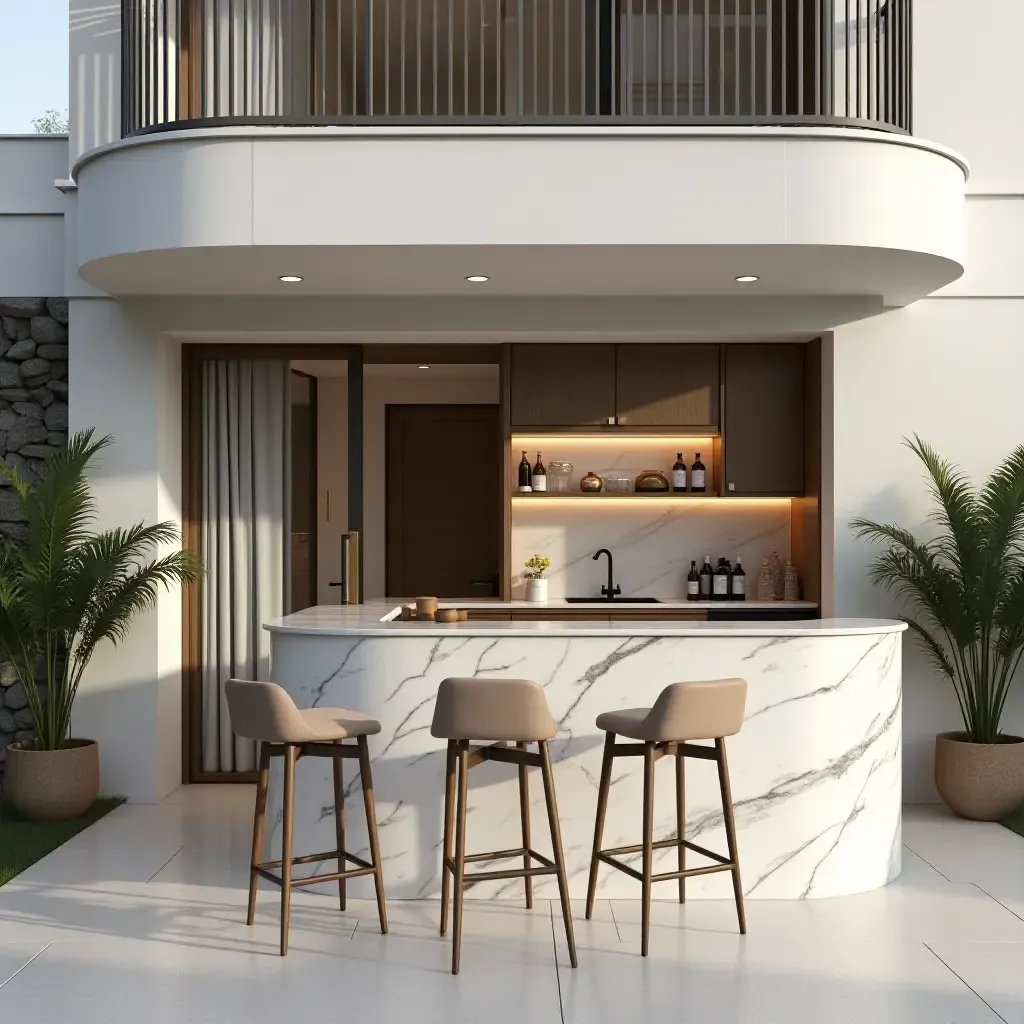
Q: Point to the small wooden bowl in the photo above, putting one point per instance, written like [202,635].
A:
[463,615]
[446,615]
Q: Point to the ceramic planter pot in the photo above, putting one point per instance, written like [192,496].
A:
[537,590]
[981,781]
[52,785]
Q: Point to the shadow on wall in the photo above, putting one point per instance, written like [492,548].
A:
[95,51]
[33,423]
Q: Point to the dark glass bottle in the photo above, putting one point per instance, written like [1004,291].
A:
[539,480]
[705,579]
[679,474]
[739,582]
[693,583]
[720,584]
[698,475]
[525,474]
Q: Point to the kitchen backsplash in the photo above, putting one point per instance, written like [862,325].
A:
[652,543]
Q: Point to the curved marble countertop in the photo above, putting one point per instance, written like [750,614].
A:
[379,618]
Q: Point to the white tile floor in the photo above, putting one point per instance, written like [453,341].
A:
[140,920]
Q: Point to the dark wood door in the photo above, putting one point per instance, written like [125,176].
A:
[764,420]
[562,385]
[444,493]
[667,385]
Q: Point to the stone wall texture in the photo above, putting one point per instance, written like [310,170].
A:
[33,423]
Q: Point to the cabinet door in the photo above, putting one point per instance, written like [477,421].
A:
[764,420]
[562,385]
[667,385]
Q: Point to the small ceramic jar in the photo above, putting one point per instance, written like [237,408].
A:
[591,484]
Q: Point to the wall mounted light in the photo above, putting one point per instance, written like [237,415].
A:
[290,279]
[423,366]
[477,278]
[747,278]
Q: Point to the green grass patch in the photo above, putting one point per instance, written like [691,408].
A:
[23,842]
[1015,822]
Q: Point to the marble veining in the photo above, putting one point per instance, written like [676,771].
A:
[815,770]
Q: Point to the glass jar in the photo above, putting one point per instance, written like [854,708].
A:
[559,474]
[652,481]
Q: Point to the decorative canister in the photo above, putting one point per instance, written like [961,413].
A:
[537,589]
[765,583]
[791,589]
[651,481]
[778,584]
[591,483]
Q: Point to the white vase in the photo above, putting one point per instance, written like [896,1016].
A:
[537,590]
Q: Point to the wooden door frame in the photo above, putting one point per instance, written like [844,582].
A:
[192,358]
[500,496]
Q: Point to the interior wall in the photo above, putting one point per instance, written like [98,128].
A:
[415,387]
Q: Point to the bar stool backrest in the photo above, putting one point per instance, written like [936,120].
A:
[697,711]
[264,712]
[514,710]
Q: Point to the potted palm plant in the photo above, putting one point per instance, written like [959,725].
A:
[64,590]
[965,587]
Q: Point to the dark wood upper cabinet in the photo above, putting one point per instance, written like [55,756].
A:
[764,420]
[667,385]
[562,385]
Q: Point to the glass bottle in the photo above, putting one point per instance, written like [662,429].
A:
[693,583]
[720,584]
[698,475]
[739,581]
[705,579]
[539,479]
[525,474]
[679,474]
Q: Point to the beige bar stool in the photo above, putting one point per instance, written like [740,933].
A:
[499,712]
[265,713]
[682,712]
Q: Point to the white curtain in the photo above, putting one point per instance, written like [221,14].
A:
[246,485]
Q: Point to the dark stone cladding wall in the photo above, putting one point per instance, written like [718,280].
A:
[33,423]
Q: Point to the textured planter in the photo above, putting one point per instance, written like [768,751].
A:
[52,785]
[981,781]
[537,590]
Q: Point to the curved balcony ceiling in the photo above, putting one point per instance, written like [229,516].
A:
[629,211]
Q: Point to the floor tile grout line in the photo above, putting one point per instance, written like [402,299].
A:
[964,983]
[611,908]
[996,899]
[27,964]
[928,862]
[554,949]
[165,863]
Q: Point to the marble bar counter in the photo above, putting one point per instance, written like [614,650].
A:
[815,770]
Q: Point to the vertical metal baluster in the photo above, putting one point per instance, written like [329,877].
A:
[871,33]
[401,53]
[465,58]
[846,60]
[783,63]
[832,58]
[627,45]
[817,57]
[451,58]
[370,58]
[231,59]
[614,31]
[661,56]
[483,70]
[910,69]
[534,20]
[551,57]
[582,109]
[433,53]
[354,52]
[319,22]
[643,58]
[419,56]
[520,60]
[768,58]
[706,84]
[260,58]
[800,56]
[675,58]
[597,56]
[736,58]
[860,61]
[689,59]
[753,57]
[721,57]
[387,57]
[566,49]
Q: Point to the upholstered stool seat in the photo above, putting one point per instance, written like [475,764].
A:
[683,712]
[498,712]
[265,713]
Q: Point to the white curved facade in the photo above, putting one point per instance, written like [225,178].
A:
[824,212]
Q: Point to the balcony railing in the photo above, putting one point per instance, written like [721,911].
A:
[190,63]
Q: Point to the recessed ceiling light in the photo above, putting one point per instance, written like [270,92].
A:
[290,279]
[477,278]
[423,366]
[747,278]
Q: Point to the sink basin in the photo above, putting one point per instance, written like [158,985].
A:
[613,600]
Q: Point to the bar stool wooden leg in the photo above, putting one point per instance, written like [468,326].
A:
[339,823]
[371,828]
[460,853]
[556,847]
[730,831]
[602,808]
[648,847]
[449,821]
[524,815]
[681,819]
[258,819]
[287,833]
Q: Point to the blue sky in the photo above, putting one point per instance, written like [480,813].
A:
[34,61]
